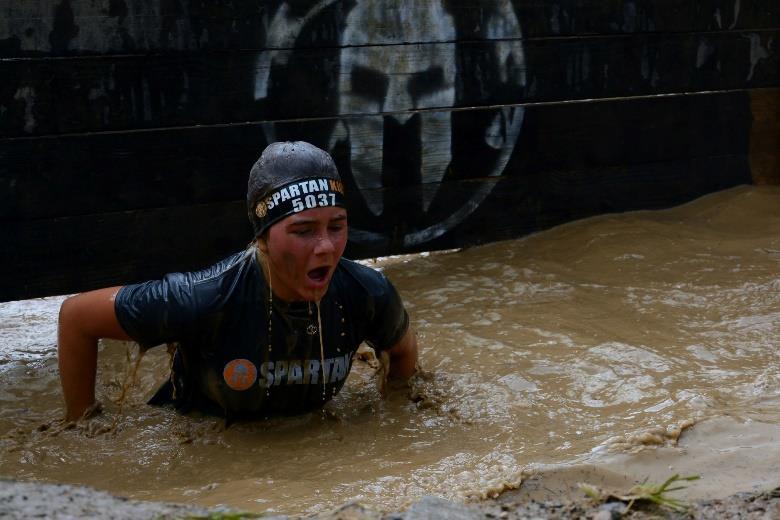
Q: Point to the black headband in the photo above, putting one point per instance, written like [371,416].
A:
[297,196]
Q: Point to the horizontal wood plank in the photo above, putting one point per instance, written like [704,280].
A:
[542,18]
[44,97]
[109,172]
[72,254]
[101,250]
[52,28]
[530,205]
[765,136]
[534,201]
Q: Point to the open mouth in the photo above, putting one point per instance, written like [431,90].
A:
[319,274]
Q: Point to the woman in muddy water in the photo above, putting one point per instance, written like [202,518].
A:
[269,330]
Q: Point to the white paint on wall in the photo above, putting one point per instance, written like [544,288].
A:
[704,51]
[399,66]
[395,65]
[757,52]
[736,14]
[281,32]
[397,69]
[27,94]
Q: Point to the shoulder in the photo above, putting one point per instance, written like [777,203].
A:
[199,291]
[236,275]
[361,276]
[373,301]
[225,273]
[368,290]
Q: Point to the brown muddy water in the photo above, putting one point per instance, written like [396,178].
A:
[567,349]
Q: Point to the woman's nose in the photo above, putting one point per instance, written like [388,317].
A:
[324,245]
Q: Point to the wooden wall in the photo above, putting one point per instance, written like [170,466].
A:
[128,127]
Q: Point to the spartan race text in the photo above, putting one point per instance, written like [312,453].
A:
[303,372]
[306,194]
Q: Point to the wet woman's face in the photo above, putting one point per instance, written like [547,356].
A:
[303,251]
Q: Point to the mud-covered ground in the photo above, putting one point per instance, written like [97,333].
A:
[21,500]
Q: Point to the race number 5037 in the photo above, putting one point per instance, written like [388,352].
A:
[312,201]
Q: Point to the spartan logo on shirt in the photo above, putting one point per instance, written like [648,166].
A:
[398,132]
[304,371]
[240,374]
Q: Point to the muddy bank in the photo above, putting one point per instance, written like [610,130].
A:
[22,500]
[26,500]
[744,463]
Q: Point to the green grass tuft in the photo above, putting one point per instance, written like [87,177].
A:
[644,492]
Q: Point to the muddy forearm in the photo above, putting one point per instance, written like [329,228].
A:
[83,320]
[403,357]
[78,365]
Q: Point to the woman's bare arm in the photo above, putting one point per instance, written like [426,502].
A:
[84,319]
[403,356]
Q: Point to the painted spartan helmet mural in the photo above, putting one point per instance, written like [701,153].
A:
[398,130]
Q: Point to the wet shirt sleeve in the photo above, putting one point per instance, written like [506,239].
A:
[157,311]
[390,320]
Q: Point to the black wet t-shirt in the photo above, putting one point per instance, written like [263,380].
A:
[226,362]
